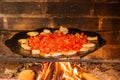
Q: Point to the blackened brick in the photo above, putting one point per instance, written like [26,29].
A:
[107,1]
[111,24]
[1,23]
[112,37]
[27,23]
[23,7]
[25,0]
[0,7]
[82,23]
[103,9]
[79,1]
[69,8]
[46,0]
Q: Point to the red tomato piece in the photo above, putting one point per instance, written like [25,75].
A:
[57,42]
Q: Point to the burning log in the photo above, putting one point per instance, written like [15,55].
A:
[89,76]
[57,72]
[42,74]
[26,75]
[46,73]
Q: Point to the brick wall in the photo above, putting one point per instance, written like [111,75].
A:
[84,14]
[102,16]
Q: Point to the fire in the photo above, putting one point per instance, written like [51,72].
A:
[69,72]
[62,71]
[59,71]
[75,71]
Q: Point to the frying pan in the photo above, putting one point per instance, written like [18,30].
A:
[13,45]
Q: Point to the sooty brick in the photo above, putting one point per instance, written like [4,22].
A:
[107,9]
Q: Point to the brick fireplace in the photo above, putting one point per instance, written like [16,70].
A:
[101,16]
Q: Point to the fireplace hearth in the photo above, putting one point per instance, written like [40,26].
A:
[100,16]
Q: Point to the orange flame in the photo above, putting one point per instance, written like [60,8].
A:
[63,71]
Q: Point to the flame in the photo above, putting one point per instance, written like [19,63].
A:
[66,66]
[75,71]
[64,71]
[45,73]
[69,72]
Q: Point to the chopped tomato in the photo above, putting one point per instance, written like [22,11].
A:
[57,42]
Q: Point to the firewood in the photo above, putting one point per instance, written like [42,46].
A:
[89,76]
[26,75]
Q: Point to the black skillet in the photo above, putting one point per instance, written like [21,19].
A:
[15,47]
